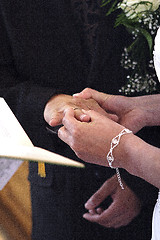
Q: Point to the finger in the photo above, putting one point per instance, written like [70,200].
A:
[91,217]
[110,217]
[98,197]
[63,134]
[100,110]
[94,115]
[98,218]
[95,218]
[92,211]
[86,94]
[99,210]
[56,119]
[97,108]
[91,93]
[106,218]
[69,121]
[81,116]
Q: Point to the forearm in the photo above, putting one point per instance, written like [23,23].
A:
[133,112]
[143,109]
[150,105]
[139,158]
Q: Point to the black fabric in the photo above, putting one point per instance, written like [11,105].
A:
[43,52]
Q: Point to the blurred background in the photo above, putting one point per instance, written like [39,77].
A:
[15,207]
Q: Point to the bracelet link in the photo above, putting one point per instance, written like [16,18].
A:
[114,143]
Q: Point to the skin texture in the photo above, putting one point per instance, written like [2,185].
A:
[54,109]
[91,141]
[121,211]
[88,140]
[54,112]
[132,112]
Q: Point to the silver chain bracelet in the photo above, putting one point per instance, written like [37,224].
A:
[115,141]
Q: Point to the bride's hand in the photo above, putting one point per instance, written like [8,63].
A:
[89,140]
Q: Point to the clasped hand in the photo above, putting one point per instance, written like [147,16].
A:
[60,110]
[91,141]
[57,105]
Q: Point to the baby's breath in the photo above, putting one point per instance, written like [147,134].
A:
[137,59]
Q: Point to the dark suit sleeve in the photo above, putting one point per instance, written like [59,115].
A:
[26,99]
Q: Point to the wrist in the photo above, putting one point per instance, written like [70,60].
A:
[131,149]
[125,151]
[110,158]
[149,107]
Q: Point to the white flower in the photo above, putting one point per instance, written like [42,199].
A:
[136,8]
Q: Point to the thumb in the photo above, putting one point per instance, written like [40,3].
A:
[99,97]
[86,93]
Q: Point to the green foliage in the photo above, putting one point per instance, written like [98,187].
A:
[137,58]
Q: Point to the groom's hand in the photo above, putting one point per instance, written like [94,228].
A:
[131,111]
[56,106]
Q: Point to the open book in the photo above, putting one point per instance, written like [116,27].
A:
[16,147]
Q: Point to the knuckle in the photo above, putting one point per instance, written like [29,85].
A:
[75,132]
[87,89]
[59,133]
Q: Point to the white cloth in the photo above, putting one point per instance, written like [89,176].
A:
[156,221]
[156,213]
[157,54]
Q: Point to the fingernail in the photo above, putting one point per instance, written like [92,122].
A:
[89,205]
[83,116]
[85,111]
[75,95]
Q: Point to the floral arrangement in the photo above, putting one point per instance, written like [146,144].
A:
[142,20]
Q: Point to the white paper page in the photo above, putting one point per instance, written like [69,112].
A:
[15,146]
[10,128]
[11,132]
